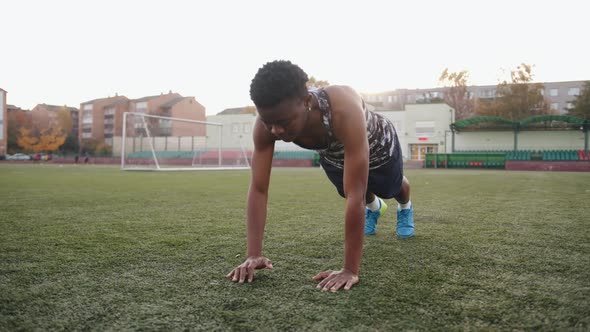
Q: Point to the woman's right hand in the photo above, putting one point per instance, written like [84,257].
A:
[247,268]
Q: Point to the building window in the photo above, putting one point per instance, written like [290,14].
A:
[573,91]
[109,111]
[554,92]
[436,94]
[424,128]
[141,107]
[246,128]
[570,106]
[235,128]
[87,107]
[488,93]
[542,92]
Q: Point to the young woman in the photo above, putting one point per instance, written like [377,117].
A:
[359,151]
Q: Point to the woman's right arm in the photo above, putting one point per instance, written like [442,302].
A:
[257,205]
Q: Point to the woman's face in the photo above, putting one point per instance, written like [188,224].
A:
[287,119]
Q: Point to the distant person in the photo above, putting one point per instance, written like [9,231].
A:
[86,158]
[359,152]
[76,159]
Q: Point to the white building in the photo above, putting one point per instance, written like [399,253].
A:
[421,128]
[237,131]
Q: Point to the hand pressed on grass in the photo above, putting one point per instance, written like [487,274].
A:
[247,268]
[334,280]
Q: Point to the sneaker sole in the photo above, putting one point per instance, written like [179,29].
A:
[405,236]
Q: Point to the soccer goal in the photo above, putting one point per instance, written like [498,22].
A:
[160,143]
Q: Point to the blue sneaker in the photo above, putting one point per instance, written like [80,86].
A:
[405,222]
[371,217]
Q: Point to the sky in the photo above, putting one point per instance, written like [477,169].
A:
[65,52]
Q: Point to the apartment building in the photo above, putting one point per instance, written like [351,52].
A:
[47,116]
[102,119]
[559,94]
[168,105]
[183,108]
[97,117]
[3,123]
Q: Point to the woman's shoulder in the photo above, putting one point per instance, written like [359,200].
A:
[340,89]
[342,96]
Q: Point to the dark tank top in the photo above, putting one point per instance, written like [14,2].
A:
[380,133]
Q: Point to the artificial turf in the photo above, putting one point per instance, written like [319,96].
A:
[96,248]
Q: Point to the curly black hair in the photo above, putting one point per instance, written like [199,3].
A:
[276,81]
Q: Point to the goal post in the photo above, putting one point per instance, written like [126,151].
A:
[160,143]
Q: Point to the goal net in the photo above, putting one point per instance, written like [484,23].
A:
[159,143]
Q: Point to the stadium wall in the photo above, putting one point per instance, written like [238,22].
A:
[178,162]
[527,140]
[549,166]
[487,141]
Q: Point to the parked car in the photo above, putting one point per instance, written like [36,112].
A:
[42,156]
[18,156]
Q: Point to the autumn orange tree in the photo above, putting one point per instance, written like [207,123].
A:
[39,140]
[31,136]
[16,120]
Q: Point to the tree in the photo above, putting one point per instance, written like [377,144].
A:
[314,83]
[51,139]
[457,95]
[518,99]
[71,144]
[91,145]
[38,140]
[64,119]
[27,139]
[581,104]
[429,98]
[15,121]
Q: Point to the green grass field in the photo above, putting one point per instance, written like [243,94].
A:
[95,248]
